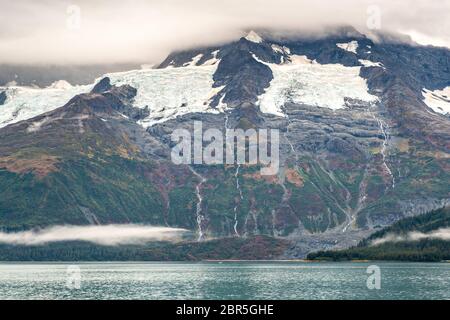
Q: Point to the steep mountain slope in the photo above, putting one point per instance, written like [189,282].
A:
[360,148]
[77,165]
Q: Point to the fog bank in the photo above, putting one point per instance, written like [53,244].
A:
[108,235]
[441,234]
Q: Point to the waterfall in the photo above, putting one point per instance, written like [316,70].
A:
[238,187]
[199,215]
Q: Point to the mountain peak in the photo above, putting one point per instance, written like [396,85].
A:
[254,37]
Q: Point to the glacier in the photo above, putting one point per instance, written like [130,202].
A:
[307,82]
[24,103]
[168,93]
[171,92]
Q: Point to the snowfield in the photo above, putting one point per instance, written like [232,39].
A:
[172,92]
[307,82]
[168,93]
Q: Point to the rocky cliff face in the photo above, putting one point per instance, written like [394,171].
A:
[359,149]
[2,97]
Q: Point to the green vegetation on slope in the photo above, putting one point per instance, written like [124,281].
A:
[423,250]
[255,248]
[111,190]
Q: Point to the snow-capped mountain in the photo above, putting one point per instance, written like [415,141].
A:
[365,141]
[293,77]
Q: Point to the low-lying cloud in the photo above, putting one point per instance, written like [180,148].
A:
[441,234]
[120,31]
[107,235]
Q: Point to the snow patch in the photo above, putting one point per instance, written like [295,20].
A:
[307,82]
[36,126]
[284,51]
[351,46]
[368,63]
[258,59]
[60,84]
[213,60]
[252,36]
[438,100]
[279,49]
[194,61]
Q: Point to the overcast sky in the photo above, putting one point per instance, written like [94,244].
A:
[110,31]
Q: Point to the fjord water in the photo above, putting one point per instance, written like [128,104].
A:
[227,280]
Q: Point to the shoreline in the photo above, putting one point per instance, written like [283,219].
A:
[212,261]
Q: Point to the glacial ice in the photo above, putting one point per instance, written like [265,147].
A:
[27,102]
[308,82]
[171,92]
[168,93]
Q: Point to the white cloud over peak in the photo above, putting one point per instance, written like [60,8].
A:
[110,31]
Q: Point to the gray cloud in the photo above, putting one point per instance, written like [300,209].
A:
[110,235]
[441,234]
[112,31]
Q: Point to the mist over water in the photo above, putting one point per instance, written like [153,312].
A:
[108,235]
[441,234]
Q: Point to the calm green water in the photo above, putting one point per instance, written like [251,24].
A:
[240,280]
